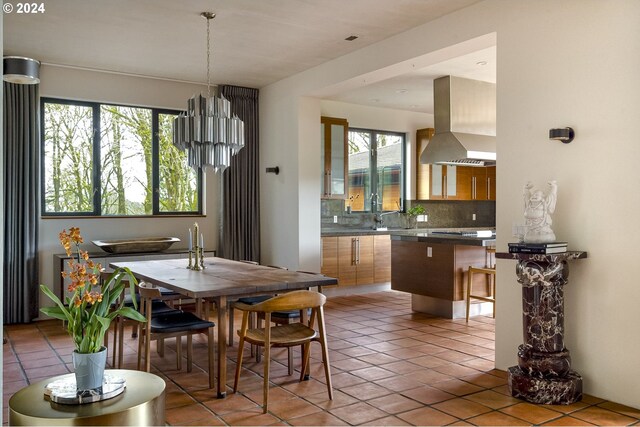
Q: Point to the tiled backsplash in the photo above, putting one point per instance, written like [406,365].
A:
[440,214]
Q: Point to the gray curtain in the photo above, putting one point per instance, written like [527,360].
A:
[240,208]
[21,196]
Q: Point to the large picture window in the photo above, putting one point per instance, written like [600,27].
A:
[111,160]
[376,170]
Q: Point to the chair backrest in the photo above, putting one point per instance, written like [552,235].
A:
[296,300]
[148,291]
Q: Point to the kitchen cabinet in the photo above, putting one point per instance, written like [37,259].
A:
[355,260]
[329,257]
[491,187]
[334,157]
[476,183]
[422,169]
[443,182]
[382,258]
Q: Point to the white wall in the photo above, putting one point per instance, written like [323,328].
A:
[571,63]
[69,83]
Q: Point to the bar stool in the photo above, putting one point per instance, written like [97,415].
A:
[490,272]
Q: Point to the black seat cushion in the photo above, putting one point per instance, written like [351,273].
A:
[160,307]
[167,292]
[178,322]
[254,300]
[289,314]
[128,300]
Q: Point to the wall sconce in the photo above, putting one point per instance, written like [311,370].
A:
[275,170]
[565,135]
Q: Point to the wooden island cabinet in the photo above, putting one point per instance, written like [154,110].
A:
[357,260]
[433,268]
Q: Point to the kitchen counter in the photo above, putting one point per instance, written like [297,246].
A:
[450,239]
[345,231]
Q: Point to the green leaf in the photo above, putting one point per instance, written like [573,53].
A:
[56,300]
[131,314]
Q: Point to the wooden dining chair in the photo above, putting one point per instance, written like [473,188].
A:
[176,324]
[288,335]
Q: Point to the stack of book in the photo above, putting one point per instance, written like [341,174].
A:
[538,248]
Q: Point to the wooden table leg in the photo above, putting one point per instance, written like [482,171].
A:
[221,302]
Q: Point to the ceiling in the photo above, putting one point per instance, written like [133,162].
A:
[254,42]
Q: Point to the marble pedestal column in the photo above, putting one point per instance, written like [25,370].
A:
[544,373]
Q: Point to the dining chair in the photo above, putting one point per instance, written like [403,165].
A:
[288,335]
[176,324]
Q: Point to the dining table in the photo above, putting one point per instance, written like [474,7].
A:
[220,281]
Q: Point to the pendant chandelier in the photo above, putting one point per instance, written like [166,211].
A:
[207,130]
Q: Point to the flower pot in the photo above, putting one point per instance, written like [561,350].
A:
[411,221]
[89,370]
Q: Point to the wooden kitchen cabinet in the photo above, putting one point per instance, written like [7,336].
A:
[355,260]
[472,183]
[329,257]
[443,180]
[491,187]
[381,258]
[422,169]
[334,157]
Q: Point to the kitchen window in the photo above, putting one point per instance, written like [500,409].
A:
[112,160]
[376,170]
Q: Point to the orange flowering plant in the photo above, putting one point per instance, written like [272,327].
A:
[92,306]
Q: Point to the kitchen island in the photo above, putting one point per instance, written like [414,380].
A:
[432,266]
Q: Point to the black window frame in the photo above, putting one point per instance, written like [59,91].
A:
[373,163]
[97,166]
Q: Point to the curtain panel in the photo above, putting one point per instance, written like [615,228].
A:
[240,184]
[21,127]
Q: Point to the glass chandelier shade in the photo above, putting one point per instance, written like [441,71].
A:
[207,130]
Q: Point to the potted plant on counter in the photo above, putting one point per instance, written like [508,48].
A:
[411,216]
[89,310]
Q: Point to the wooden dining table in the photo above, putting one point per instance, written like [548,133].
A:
[222,280]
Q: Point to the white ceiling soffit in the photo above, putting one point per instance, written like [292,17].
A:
[254,42]
[413,91]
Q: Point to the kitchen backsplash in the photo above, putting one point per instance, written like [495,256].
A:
[440,214]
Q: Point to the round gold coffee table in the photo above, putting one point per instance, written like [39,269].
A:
[141,404]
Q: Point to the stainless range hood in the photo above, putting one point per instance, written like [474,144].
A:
[465,123]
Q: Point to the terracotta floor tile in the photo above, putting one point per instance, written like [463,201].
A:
[455,370]
[387,421]
[401,367]
[399,383]
[231,403]
[427,417]
[484,380]
[394,403]
[603,417]
[567,409]
[339,399]
[567,421]
[175,399]
[493,399]
[622,409]
[366,391]
[344,379]
[457,387]
[480,364]
[378,359]
[317,419]
[189,413]
[358,413]
[373,373]
[591,400]
[350,364]
[427,395]
[497,419]
[430,376]
[253,417]
[461,408]
[429,361]
[535,414]
[292,408]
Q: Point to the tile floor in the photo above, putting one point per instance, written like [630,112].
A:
[389,367]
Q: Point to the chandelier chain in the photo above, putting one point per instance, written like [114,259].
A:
[208,59]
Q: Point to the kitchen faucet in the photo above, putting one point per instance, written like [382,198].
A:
[377,219]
